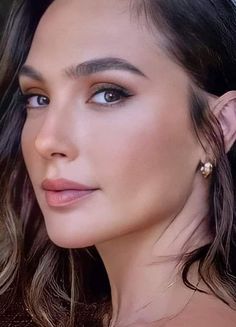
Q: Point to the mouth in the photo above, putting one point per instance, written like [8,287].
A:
[61,192]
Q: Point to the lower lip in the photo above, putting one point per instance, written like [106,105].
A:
[66,197]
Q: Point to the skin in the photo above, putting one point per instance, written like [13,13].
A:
[141,152]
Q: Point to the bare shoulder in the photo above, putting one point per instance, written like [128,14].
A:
[204,311]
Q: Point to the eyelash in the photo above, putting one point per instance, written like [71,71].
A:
[123,94]
[23,98]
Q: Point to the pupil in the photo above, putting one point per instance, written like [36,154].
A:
[42,100]
[111,96]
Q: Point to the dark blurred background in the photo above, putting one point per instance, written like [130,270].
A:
[4,11]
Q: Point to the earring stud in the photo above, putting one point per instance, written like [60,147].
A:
[206,169]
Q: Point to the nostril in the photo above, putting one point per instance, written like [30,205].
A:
[51,146]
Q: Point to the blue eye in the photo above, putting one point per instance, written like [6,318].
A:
[34,101]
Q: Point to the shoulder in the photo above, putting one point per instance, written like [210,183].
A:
[204,311]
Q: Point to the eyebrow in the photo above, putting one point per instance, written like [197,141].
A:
[30,72]
[86,68]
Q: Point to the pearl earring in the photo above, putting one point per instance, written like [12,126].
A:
[206,169]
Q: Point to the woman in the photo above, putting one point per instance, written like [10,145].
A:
[117,152]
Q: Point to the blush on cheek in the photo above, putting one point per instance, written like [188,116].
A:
[155,170]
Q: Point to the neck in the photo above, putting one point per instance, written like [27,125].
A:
[144,266]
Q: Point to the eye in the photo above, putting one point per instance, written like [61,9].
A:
[37,101]
[109,95]
[34,101]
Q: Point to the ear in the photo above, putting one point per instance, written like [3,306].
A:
[224,109]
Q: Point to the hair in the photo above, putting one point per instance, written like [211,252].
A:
[200,35]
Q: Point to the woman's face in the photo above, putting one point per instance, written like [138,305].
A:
[105,108]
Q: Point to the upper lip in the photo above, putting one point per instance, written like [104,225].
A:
[63,184]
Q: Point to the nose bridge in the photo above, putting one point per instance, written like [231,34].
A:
[56,134]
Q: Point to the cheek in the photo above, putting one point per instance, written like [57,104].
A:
[30,156]
[26,144]
[148,168]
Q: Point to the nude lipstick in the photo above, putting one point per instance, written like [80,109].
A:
[63,192]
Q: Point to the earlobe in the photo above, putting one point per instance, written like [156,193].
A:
[225,111]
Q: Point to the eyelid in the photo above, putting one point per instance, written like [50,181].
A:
[26,95]
[98,87]
[31,87]
[32,91]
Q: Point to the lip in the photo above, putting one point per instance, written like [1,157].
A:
[64,184]
[63,192]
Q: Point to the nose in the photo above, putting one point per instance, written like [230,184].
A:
[56,137]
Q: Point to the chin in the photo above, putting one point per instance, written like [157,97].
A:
[70,241]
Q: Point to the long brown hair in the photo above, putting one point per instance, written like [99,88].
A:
[201,37]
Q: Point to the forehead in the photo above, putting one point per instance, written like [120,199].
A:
[64,15]
[78,30]
[75,31]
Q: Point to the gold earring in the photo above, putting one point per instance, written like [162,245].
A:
[206,169]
